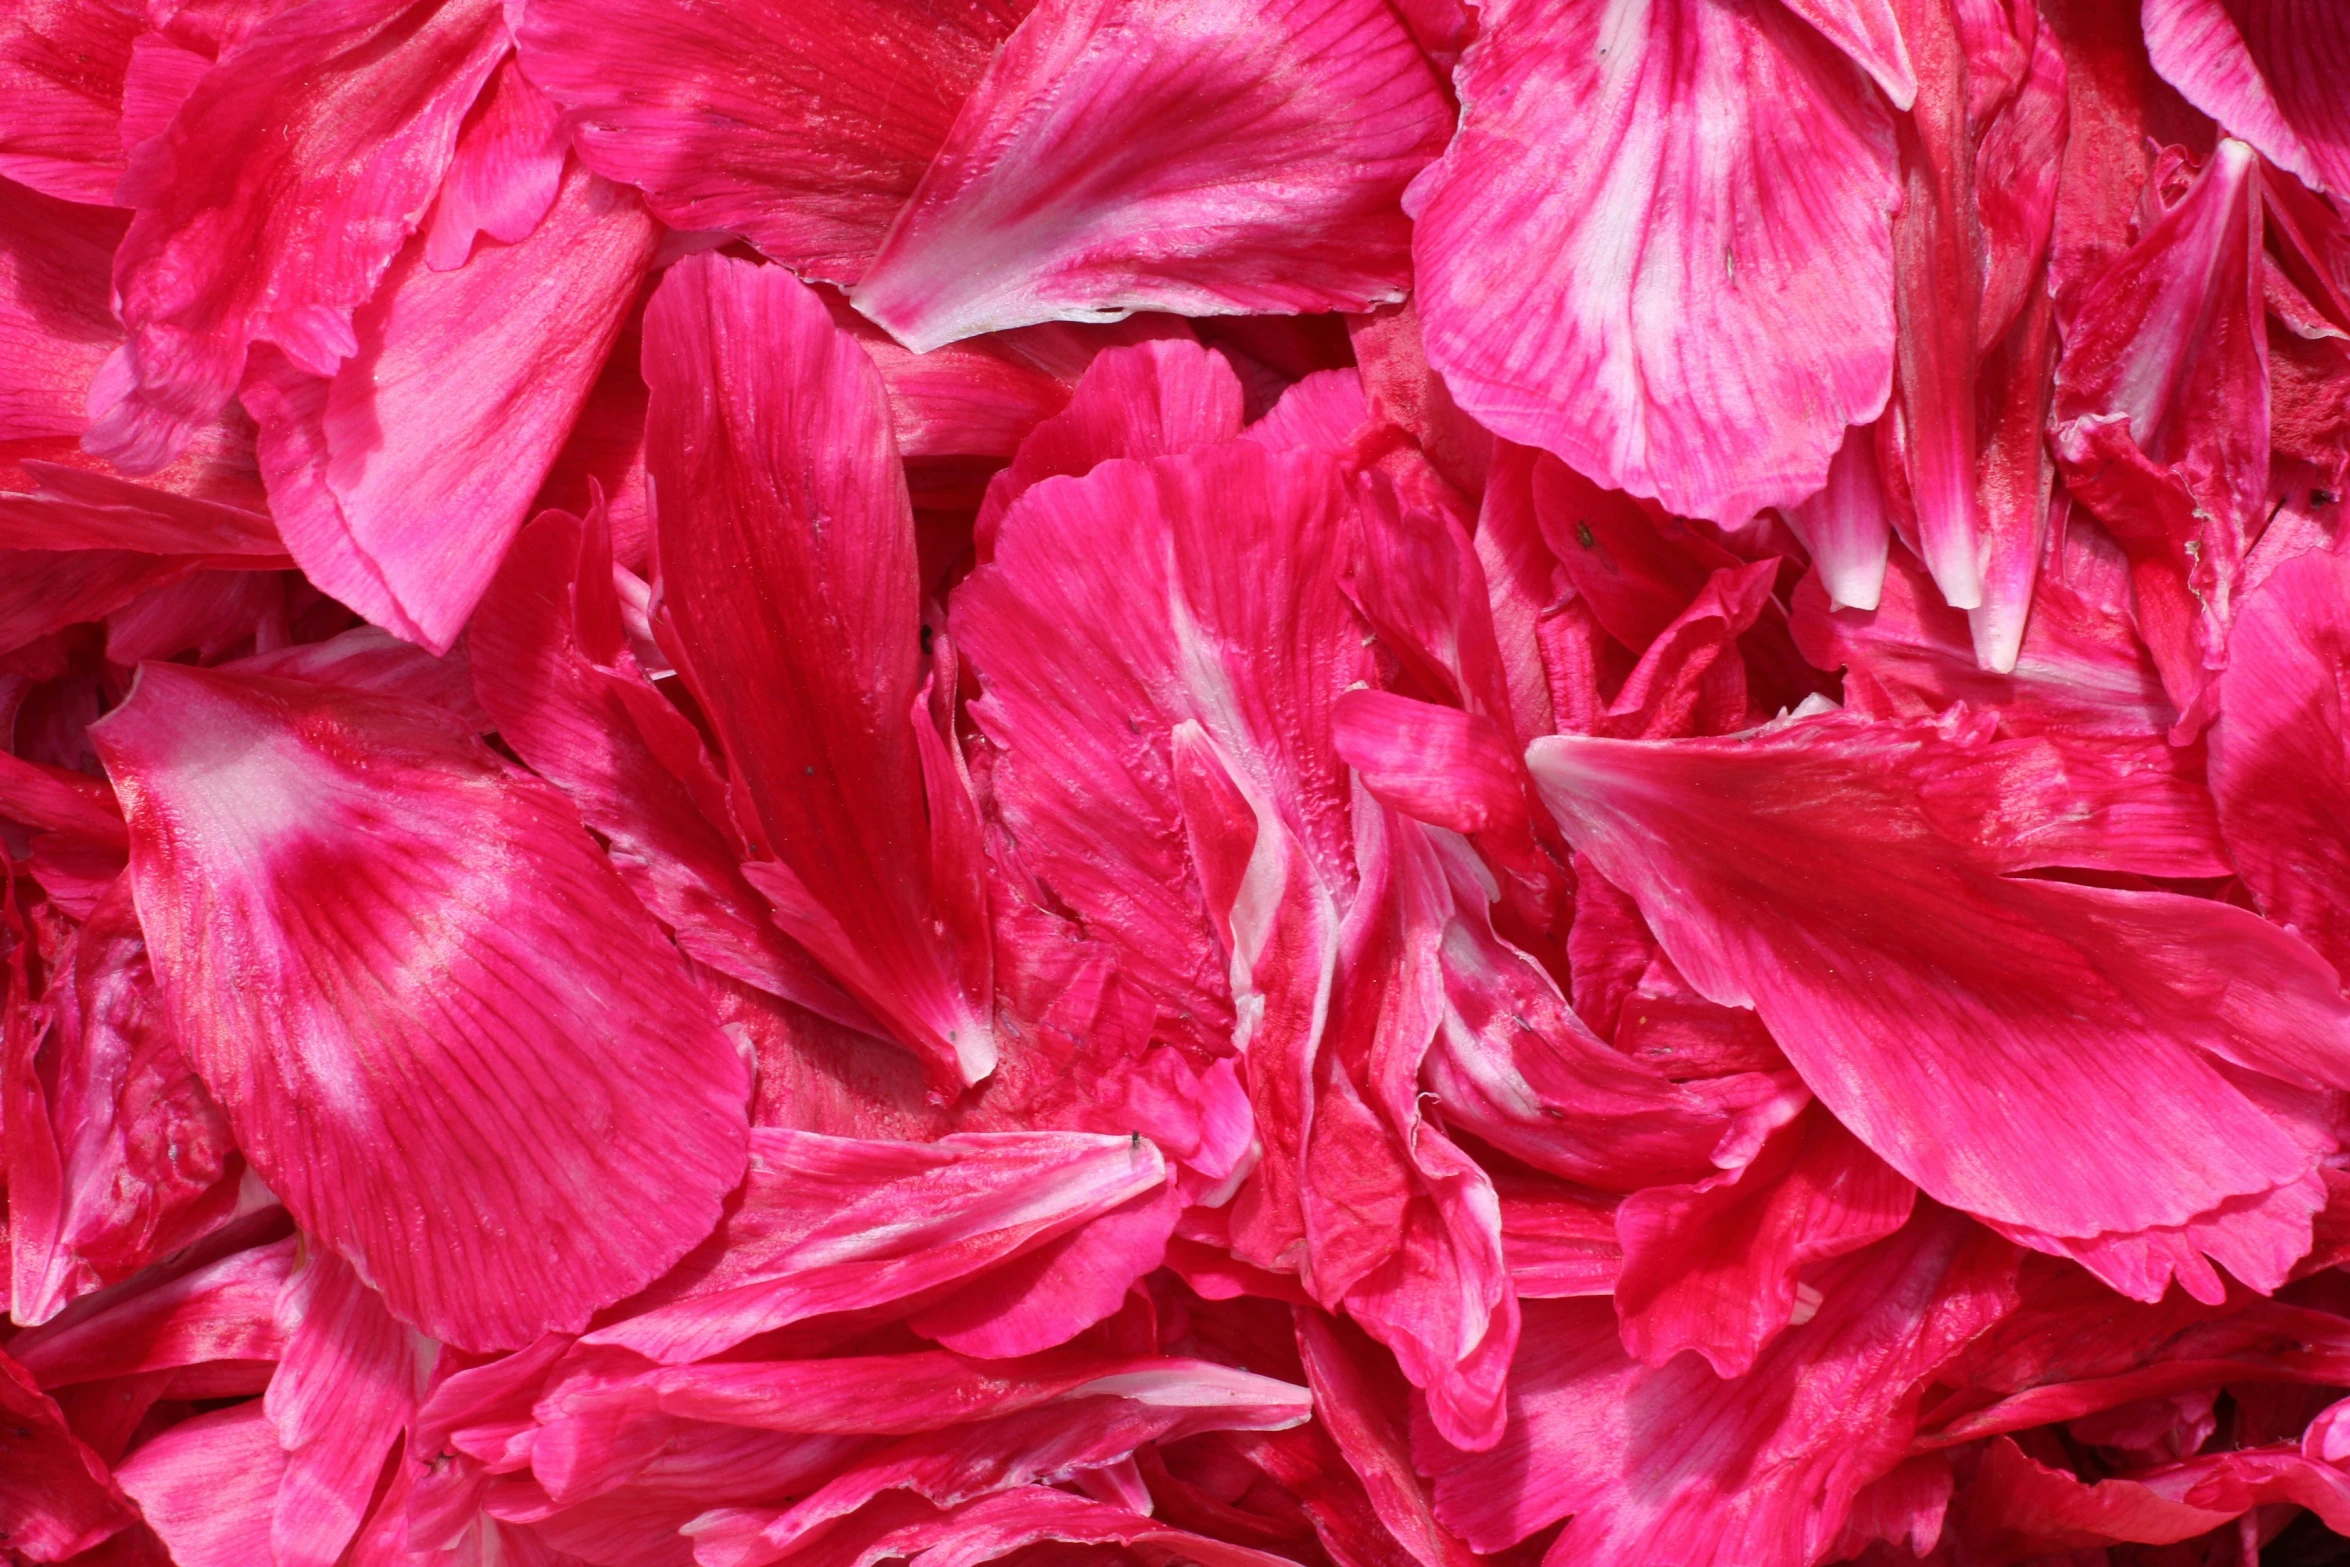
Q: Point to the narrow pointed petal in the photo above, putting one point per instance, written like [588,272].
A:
[517,1030]
[787,558]
[1848,526]
[1673,1464]
[2269,71]
[1869,31]
[1721,843]
[399,481]
[1247,158]
[801,128]
[348,1384]
[273,204]
[2281,752]
[1582,288]
[221,1309]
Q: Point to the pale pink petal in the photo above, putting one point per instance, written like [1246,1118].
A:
[2281,751]
[514,1029]
[1847,526]
[207,1486]
[56,1498]
[2269,71]
[399,481]
[346,1388]
[558,682]
[1938,1056]
[801,128]
[831,1224]
[274,203]
[1242,158]
[1584,287]
[1673,1464]
[1713,1267]
[507,174]
[787,563]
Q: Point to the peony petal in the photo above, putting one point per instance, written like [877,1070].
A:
[833,1224]
[399,481]
[1437,764]
[207,1485]
[2268,71]
[55,328]
[2282,748]
[56,1498]
[419,1016]
[1299,123]
[802,129]
[1578,235]
[787,555]
[274,203]
[1363,1406]
[507,173]
[220,1309]
[61,75]
[1673,1464]
[1712,1267]
[1721,843]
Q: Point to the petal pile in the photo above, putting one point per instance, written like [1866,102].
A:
[1122,783]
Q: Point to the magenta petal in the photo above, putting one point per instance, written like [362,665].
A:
[207,1486]
[787,559]
[1920,991]
[55,1496]
[399,481]
[273,204]
[61,75]
[802,128]
[2269,71]
[506,175]
[1848,525]
[1242,156]
[1437,764]
[329,936]
[1584,286]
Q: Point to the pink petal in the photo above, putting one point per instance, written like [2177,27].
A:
[507,173]
[2268,71]
[787,554]
[2162,414]
[367,659]
[831,1224]
[1052,1294]
[1869,31]
[1847,526]
[55,328]
[419,1031]
[207,1485]
[1583,289]
[999,1525]
[566,694]
[1362,1404]
[1438,764]
[1673,1464]
[1937,1057]
[1243,158]
[2282,748]
[803,129]
[223,1308]
[399,481]
[1712,1267]
[55,1496]
[274,203]
[348,1384]
[61,75]
[2018,1505]
[1150,400]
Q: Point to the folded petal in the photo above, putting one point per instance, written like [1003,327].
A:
[55,329]
[1921,992]
[56,1498]
[833,1224]
[1671,1463]
[507,173]
[2267,71]
[1437,764]
[275,201]
[514,1030]
[802,129]
[399,480]
[787,560]
[1241,159]
[1584,287]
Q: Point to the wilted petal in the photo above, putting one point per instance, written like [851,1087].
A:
[801,128]
[1244,157]
[1584,287]
[273,204]
[330,936]
[1938,1056]
[787,557]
